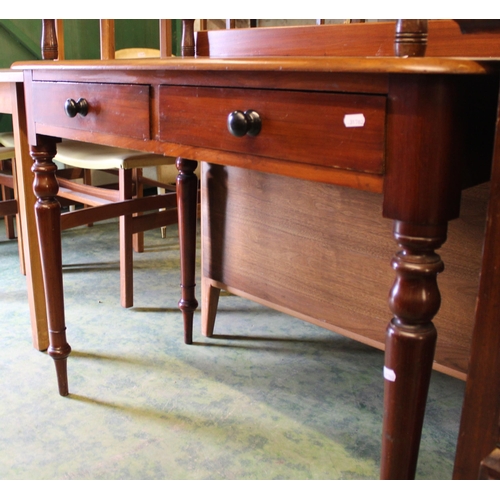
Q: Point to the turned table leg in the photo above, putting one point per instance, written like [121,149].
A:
[422,188]
[411,339]
[48,218]
[187,193]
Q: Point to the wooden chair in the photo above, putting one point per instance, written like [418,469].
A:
[165,174]
[8,204]
[127,164]
[9,208]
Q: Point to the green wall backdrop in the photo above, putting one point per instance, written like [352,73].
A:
[20,40]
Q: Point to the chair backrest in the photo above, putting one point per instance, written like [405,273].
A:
[446,38]
[53,40]
[137,53]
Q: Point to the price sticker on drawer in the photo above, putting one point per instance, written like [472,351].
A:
[354,120]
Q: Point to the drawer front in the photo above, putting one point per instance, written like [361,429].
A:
[344,131]
[118,109]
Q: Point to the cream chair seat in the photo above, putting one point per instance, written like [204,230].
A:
[98,157]
[7,153]
[128,165]
[7,139]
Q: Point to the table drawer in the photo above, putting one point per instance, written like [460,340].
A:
[344,131]
[117,109]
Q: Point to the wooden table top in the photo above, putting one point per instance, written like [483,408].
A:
[9,75]
[387,65]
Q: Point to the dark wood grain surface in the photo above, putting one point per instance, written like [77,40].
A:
[427,139]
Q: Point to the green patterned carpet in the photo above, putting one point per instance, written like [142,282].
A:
[270,397]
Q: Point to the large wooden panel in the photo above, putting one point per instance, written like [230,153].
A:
[295,125]
[479,433]
[323,253]
[366,39]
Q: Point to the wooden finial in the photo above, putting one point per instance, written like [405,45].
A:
[49,39]
[187,40]
[411,37]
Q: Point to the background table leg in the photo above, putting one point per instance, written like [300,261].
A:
[187,193]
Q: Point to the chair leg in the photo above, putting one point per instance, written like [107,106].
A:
[87,180]
[126,246]
[138,238]
[9,219]
[163,229]
[19,232]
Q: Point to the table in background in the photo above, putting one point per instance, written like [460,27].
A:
[12,102]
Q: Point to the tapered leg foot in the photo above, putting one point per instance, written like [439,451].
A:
[210,298]
[60,357]
[410,345]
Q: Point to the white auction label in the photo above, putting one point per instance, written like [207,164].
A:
[389,374]
[354,120]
